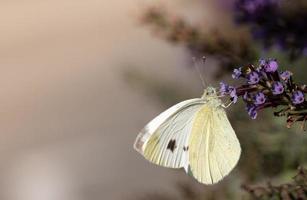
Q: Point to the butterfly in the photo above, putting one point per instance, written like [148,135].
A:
[194,134]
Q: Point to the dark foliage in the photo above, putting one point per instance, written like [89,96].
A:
[230,51]
[288,191]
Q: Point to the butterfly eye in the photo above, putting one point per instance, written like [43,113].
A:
[210,91]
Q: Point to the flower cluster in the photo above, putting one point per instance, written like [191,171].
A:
[265,86]
[276,23]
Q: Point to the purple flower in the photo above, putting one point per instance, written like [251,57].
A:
[246,96]
[277,88]
[250,7]
[271,66]
[262,63]
[298,97]
[236,73]
[285,75]
[259,98]
[261,68]
[253,78]
[253,6]
[261,15]
[252,111]
[224,88]
[233,94]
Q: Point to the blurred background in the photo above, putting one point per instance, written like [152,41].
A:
[80,79]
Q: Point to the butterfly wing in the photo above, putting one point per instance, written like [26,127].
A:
[214,148]
[164,140]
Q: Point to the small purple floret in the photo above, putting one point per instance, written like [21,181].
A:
[285,75]
[224,88]
[298,97]
[236,73]
[253,78]
[262,62]
[271,66]
[259,98]
[252,111]
[233,94]
[246,96]
[261,68]
[277,88]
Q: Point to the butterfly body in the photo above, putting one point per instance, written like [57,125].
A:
[195,135]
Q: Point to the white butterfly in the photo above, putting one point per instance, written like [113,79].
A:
[195,135]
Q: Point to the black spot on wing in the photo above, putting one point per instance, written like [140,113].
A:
[186,148]
[171,145]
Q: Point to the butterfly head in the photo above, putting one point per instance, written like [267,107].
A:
[209,92]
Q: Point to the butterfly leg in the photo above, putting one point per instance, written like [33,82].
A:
[226,106]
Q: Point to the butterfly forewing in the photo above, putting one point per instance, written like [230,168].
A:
[164,141]
[214,148]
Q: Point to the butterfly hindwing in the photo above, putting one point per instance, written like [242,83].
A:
[164,141]
[214,148]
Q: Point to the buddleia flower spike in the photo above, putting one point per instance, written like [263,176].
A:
[266,86]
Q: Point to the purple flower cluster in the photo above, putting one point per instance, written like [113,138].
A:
[254,6]
[271,23]
[265,86]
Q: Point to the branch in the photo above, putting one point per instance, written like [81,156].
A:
[295,190]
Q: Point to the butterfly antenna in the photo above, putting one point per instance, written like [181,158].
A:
[196,65]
